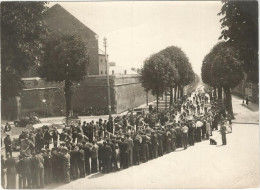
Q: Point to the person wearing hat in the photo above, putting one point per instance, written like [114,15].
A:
[7,127]
[8,144]
[47,138]
[55,136]
[39,141]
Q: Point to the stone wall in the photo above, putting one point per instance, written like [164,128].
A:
[240,91]
[47,99]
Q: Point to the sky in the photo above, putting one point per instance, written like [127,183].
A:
[135,30]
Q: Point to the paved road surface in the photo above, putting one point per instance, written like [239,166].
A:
[202,166]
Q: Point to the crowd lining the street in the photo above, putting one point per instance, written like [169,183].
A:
[48,156]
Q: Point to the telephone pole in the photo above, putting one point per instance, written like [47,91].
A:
[108,85]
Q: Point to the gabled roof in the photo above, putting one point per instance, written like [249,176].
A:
[60,20]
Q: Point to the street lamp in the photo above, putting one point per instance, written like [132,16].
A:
[108,85]
[44,102]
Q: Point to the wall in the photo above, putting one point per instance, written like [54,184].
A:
[125,91]
[240,91]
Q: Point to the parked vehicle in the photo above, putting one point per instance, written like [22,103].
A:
[31,118]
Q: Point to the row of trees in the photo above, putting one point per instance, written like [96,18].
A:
[26,42]
[228,62]
[170,68]
[222,69]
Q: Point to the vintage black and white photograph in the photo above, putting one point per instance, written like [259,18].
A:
[130,95]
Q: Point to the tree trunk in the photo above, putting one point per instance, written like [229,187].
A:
[181,92]
[171,97]
[68,95]
[157,102]
[215,93]
[178,92]
[228,104]
[147,98]
[220,93]
[165,99]
[175,93]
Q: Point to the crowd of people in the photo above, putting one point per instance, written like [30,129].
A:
[48,156]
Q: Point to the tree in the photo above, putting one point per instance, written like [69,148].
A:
[181,62]
[222,68]
[65,60]
[240,29]
[21,31]
[157,75]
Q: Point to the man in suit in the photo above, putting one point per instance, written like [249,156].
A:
[47,167]
[107,157]
[81,161]
[185,130]
[74,168]
[87,154]
[8,144]
[223,130]
[130,146]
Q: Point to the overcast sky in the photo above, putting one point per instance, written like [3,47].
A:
[135,30]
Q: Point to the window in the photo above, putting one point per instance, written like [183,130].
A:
[101,72]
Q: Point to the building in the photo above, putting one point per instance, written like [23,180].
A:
[47,99]
[102,64]
[59,20]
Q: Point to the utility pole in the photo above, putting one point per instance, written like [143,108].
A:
[108,85]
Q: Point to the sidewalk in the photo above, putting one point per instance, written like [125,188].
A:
[251,106]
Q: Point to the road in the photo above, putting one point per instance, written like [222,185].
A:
[201,166]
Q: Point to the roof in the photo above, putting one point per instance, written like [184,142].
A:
[59,19]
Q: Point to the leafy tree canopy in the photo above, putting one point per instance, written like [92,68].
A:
[222,67]
[158,74]
[240,29]
[21,31]
[65,58]
[179,59]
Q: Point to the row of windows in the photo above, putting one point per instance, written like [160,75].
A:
[101,72]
